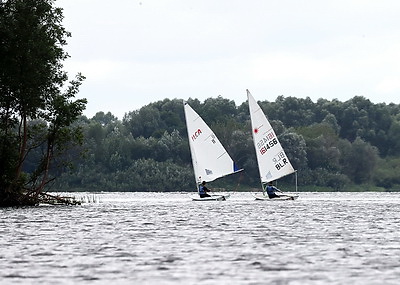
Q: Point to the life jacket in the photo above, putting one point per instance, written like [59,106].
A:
[201,190]
[270,190]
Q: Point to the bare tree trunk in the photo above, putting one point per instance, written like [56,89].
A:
[23,138]
[49,154]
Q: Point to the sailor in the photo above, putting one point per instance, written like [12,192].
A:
[203,190]
[271,191]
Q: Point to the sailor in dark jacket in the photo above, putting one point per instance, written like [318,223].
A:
[271,191]
[203,190]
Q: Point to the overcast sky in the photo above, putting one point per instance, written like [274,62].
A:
[135,52]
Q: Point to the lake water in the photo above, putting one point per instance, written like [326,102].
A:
[165,238]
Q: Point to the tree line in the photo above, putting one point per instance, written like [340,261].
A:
[333,145]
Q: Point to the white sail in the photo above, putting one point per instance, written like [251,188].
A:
[209,157]
[272,160]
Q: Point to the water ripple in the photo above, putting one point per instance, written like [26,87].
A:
[165,238]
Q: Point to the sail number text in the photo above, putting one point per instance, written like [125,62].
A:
[268,141]
[280,160]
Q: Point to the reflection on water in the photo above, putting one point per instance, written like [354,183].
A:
[158,238]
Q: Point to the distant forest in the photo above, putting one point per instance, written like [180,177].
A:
[335,146]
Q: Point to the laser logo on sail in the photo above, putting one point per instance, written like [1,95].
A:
[196,134]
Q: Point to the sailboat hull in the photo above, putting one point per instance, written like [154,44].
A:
[212,198]
[261,196]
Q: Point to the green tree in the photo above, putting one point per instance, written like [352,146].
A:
[216,110]
[387,172]
[32,88]
[156,118]
[322,146]
[394,136]
[295,148]
[293,112]
[359,160]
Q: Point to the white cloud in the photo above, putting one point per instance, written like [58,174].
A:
[388,85]
[97,70]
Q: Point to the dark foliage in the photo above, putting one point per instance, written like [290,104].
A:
[36,113]
[331,143]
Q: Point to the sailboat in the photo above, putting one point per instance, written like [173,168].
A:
[271,158]
[210,159]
